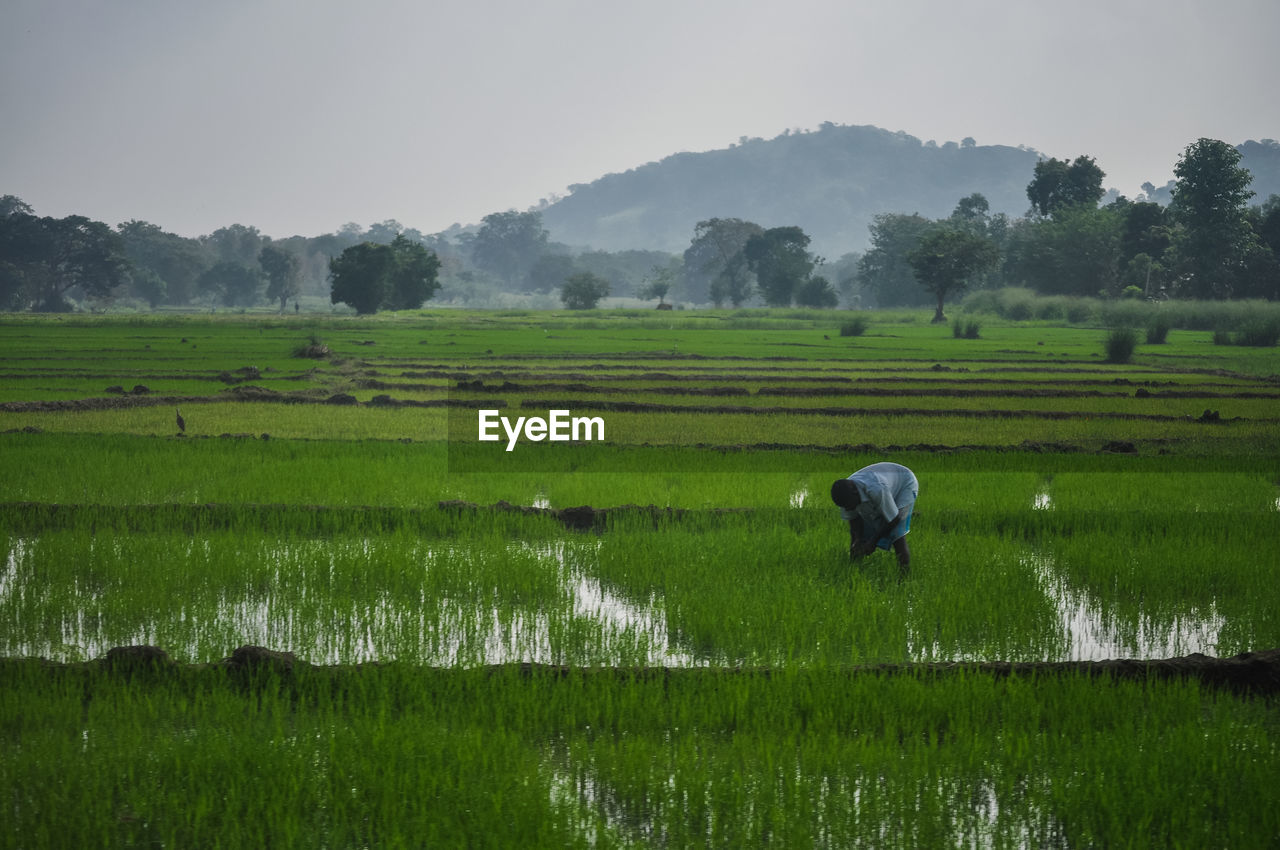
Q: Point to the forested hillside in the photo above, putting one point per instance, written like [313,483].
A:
[830,182]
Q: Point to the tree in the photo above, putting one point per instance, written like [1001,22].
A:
[508,244]
[236,243]
[660,281]
[550,272]
[714,268]
[13,205]
[176,261]
[884,271]
[413,275]
[583,291]
[817,291]
[284,273]
[1059,185]
[235,285]
[372,277]
[359,276]
[43,260]
[780,263]
[1075,253]
[1214,238]
[947,258]
[972,210]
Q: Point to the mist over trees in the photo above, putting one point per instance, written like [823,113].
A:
[1061,234]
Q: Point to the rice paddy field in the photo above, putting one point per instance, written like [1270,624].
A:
[372,629]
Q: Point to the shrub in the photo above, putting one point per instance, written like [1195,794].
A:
[1049,308]
[1221,336]
[854,327]
[1259,332]
[966,328]
[1079,312]
[1157,330]
[1120,344]
[1018,309]
[1124,313]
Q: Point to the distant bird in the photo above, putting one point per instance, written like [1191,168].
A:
[182,423]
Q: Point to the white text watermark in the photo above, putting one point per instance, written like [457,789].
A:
[559,426]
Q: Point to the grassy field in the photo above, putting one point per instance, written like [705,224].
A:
[705,636]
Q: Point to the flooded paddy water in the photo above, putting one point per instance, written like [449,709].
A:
[324,601]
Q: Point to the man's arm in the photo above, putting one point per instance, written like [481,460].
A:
[860,545]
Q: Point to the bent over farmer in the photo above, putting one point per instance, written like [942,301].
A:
[877,501]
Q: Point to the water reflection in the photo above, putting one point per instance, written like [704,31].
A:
[457,605]
[305,600]
[1097,632]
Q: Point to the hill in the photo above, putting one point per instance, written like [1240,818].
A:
[831,182]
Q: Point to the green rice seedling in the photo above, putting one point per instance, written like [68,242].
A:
[391,756]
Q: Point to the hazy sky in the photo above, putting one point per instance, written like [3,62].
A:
[297,116]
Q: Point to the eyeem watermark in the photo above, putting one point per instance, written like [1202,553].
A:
[559,426]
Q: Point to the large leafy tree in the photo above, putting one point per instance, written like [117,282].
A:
[781,263]
[883,271]
[1059,185]
[236,243]
[583,291]
[1214,238]
[166,266]
[233,284]
[44,260]
[283,269]
[714,267]
[947,257]
[1075,253]
[372,277]
[359,276]
[414,274]
[508,244]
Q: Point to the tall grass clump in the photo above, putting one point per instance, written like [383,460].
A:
[1124,313]
[1260,332]
[1120,344]
[966,328]
[855,326]
[1263,332]
[1158,329]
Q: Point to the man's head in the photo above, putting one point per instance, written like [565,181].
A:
[845,494]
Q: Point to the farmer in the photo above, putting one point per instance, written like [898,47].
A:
[877,501]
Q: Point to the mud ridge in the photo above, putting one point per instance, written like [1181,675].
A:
[585,517]
[1249,673]
[656,407]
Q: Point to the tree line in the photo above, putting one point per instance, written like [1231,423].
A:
[1208,242]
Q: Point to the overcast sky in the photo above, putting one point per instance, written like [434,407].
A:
[297,116]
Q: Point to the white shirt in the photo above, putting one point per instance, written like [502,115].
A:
[889,487]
